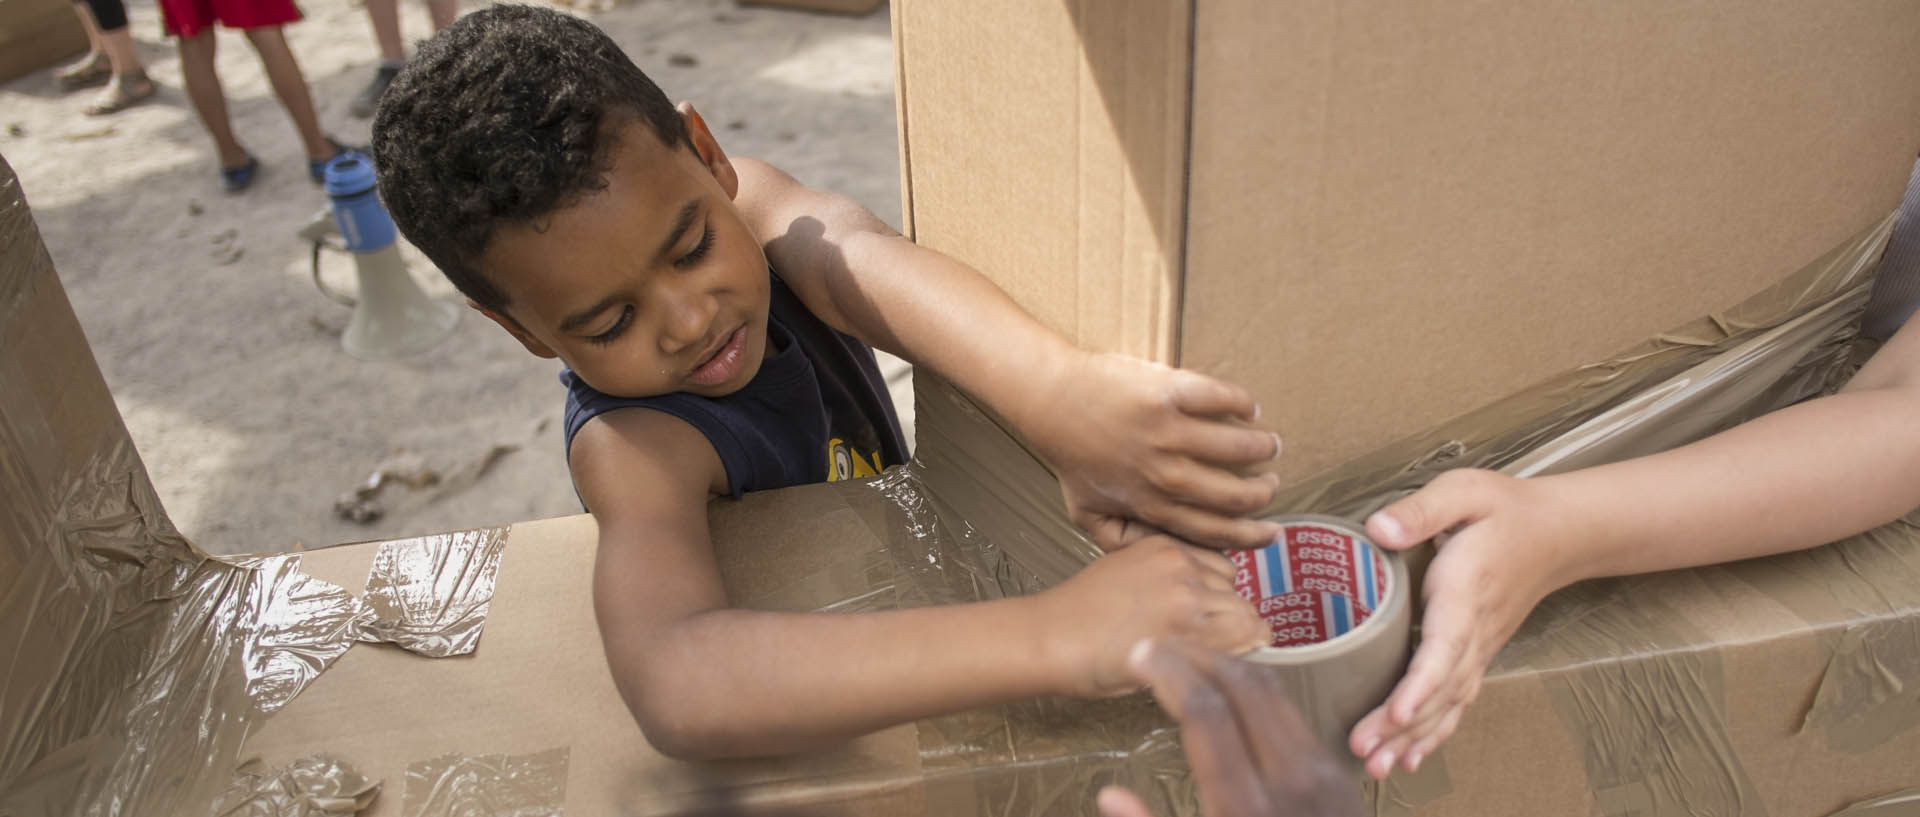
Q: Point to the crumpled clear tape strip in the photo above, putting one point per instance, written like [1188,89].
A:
[455,785]
[314,786]
[430,594]
[172,654]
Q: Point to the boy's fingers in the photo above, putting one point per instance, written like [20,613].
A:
[1211,561]
[1227,445]
[1198,394]
[1233,626]
[1115,801]
[1388,756]
[1453,498]
[1423,748]
[1208,529]
[1111,532]
[1370,733]
[1214,489]
[1429,668]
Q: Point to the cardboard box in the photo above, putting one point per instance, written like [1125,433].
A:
[140,672]
[37,33]
[1378,216]
[1529,187]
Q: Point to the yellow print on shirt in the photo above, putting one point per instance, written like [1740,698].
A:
[845,462]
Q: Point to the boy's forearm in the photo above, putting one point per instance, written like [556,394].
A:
[939,313]
[739,683]
[1799,477]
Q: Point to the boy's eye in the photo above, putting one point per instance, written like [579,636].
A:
[699,250]
[613,332]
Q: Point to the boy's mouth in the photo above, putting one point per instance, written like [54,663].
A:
[723,363]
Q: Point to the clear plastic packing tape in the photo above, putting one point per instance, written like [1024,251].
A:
[137,662]
[158,683]
[429,594]
[533,785]
[315,786]
[1785,344]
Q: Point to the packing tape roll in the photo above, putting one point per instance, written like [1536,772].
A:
[1341,611]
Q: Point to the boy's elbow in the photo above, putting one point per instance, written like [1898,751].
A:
[678,728]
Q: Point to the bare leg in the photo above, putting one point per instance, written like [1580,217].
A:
[203,87]
[385,16]
[119,48]
[81,72]
[288,84]
[95,49]
[443,12]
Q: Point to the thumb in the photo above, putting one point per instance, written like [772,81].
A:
[1454,498]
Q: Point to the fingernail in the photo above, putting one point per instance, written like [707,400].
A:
[1391,531]
[1256,411]
[1277,446]
[1386,764]
[1413,761]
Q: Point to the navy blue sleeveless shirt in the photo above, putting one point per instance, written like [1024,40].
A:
[817,411]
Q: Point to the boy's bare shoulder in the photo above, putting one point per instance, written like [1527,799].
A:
[640,463]
[777,205]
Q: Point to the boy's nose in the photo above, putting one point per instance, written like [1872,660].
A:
[688,321]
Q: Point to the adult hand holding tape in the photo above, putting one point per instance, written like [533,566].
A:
[1251,752]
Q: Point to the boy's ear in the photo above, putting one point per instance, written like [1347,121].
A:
[514,328]
[708,149]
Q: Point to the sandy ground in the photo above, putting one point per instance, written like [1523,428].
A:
[225,359]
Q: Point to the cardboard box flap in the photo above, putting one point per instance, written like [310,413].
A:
[1097,256]
[1391,217]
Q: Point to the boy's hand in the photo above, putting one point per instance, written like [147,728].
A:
[1251,754]
[1155,587]
[1505,554]
[1140,448]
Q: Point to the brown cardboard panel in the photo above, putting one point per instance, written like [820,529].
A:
[1393,216]
[37,33]
[1060,182]
[539,680]
[1446,202]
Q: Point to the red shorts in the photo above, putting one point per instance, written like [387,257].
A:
[186,18]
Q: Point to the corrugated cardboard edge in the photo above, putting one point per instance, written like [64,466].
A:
[1127,292]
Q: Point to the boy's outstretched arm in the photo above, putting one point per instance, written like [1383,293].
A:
[1131,441]
[704,680]
[1799,477]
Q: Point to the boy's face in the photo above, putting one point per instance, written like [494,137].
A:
[650,286]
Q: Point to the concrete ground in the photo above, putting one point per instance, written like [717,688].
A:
[224,357]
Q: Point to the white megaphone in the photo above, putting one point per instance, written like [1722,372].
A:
[392,317]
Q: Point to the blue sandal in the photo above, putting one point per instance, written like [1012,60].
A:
[236,179]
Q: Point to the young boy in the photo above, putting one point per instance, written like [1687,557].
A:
[1799,477]
[713,316]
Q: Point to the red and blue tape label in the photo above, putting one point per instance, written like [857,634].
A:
[1314,583]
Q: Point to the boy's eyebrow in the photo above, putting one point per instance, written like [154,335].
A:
[681,223]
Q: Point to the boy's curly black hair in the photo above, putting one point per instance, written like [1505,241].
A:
[503,118]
